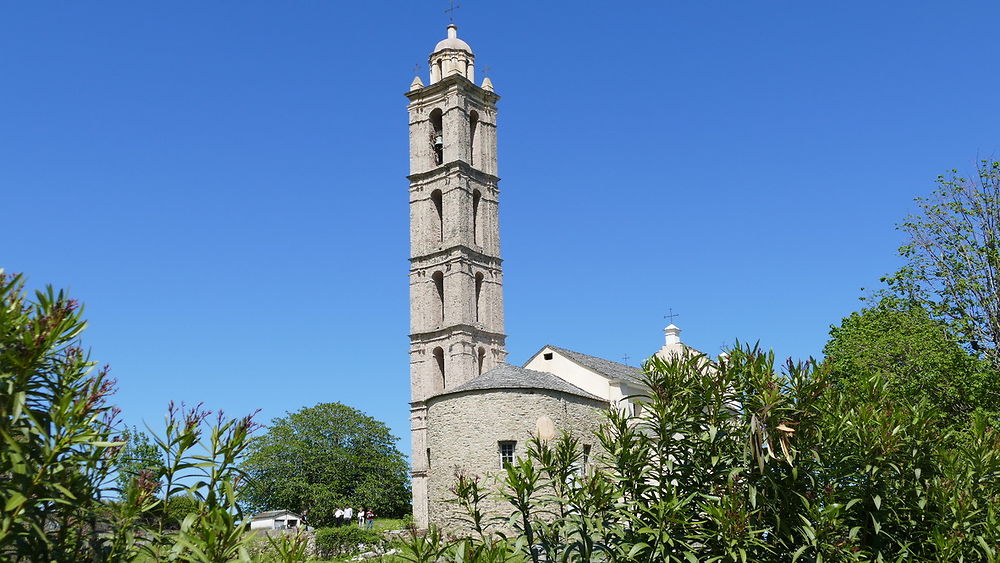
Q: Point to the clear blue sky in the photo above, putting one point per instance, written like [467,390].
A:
[223,183]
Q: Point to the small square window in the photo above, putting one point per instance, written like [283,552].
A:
[506,452]
[547,355]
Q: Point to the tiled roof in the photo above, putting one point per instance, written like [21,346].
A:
[506,376]
[602,366]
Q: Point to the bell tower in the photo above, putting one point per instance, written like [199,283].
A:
[456,284]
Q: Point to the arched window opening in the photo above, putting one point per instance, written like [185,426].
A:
[438,222]
[479,291]
[481,357]
[476,198]
[438,278]
[439,360]
[473,125]
[437,136]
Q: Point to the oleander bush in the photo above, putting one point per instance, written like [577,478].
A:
[286,546]
[56,427]
[735,460]
[60,497]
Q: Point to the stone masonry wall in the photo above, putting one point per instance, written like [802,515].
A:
[464,431]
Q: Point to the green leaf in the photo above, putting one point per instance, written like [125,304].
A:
[990,552]
[15,501]
[637,548]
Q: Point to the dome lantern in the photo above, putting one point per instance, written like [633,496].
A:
[452,56]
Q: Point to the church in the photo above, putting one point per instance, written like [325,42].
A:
[471,411]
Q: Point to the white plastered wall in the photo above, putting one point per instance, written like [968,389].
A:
[612,390]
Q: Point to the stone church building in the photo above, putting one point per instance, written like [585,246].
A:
[470,410]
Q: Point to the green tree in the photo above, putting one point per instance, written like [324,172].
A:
[917,354]
[952,257]
[137,455]
[326,457]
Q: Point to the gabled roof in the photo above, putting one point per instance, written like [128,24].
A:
[604,367]
[506,376]
[272,514]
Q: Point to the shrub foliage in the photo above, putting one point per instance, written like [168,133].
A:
[55,426]
[59,452]
[347,540]
[733,460]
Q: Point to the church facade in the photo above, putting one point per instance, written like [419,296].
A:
[470,411]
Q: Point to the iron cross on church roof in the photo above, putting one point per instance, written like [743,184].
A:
[451,11]
[671,315]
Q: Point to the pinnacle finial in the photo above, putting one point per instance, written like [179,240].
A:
[672,334]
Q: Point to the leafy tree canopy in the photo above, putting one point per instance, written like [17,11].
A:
[326,457]
[918,355]
[138,455]
[952,258]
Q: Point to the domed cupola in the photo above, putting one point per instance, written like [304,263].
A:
[452,56]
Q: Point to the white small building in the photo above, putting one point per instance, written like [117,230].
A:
[275,520]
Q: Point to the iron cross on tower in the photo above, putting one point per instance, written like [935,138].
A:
[670,315]
[451,11]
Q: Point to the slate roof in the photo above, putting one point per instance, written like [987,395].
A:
[602,366]
[506,376]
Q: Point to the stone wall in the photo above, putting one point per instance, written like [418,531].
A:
[464,431]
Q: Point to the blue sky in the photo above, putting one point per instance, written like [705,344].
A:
[223,183]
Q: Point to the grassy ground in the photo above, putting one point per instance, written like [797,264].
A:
[389,524]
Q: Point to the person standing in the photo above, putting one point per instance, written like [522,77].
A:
[338,517]
[361,517]
[370,519]
[348,516]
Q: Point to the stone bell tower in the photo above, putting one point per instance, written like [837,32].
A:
[456,286]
